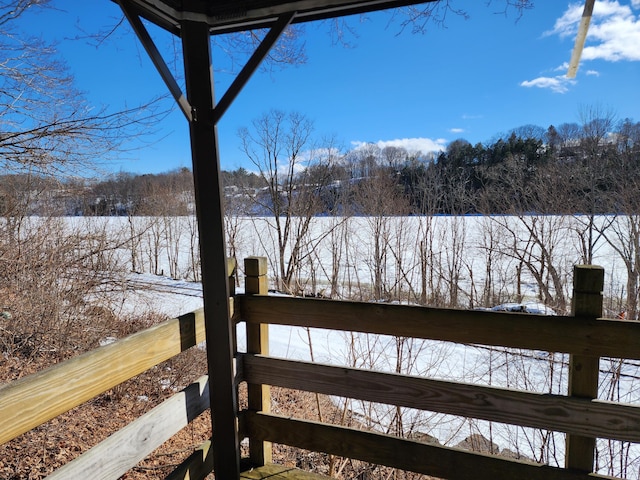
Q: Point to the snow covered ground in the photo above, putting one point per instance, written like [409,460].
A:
[462,259]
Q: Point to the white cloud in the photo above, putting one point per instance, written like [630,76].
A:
[303,160]
[562,68]
[567,24]
[614,35]
[456,130]
[614,32]
[424,145]
[558,84]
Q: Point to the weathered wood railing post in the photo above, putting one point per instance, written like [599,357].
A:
[259,396]
[588,283]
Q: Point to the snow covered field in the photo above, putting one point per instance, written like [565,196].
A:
[464,261]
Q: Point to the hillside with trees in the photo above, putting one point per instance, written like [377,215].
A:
[589,168]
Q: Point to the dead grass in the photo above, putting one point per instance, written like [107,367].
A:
[38,453]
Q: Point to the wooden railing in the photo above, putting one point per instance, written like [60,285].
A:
[33,400]
[36,399]
[584,336]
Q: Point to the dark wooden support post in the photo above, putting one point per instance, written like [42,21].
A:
[209,210]
[588,283]
[259,396]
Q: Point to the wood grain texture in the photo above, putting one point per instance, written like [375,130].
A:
[33,400]
[257,334]
[590,337]
[553,412]
[584,370]
[279,472]
[439,461]
[123,450]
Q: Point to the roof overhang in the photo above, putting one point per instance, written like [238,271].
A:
[225,16]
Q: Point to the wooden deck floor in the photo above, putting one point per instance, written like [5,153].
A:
[278,472]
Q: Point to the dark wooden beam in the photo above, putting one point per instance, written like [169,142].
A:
[252,65]
[209,209]
[240,15]
[595,337]
[155,56]
[380,449]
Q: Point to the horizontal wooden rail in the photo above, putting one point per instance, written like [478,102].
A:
[589,337]
[33,400]
[546,411]
[380,449]
[123,450]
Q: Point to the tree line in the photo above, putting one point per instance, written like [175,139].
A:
[589,168]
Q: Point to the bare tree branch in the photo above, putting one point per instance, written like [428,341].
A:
[12,9]
[46,125]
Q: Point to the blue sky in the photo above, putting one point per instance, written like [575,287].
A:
[472,78]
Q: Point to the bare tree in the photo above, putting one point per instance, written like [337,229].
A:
[623,235]
[295,173]
[419,17]
[46,125]
[51,275]
[428,186]
[610,183]
[51,271]
[379,197]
